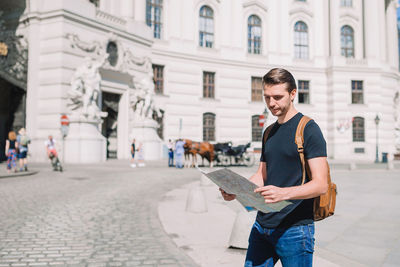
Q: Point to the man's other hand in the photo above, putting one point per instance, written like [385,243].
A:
[226,196]
[273,194]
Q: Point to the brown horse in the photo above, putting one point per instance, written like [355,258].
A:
[192,149]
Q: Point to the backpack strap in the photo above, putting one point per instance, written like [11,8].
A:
[299,140]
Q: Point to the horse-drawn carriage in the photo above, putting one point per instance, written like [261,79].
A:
[224,154]
[228,155]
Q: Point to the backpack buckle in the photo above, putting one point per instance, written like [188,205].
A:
[300,149]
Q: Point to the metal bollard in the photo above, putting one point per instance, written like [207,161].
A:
[196,201]
[352,166]
[390,165]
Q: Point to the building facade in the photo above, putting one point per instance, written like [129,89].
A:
[207,60]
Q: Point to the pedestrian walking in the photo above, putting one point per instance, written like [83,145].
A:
[23,141]
[287,235]
[140,152]
[179,153]
[170,153]
[133,150]
[11,151]
[52,154]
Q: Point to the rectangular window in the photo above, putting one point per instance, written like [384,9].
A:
[359,150]
[208,84]
[158,77]
[256,129]
[357,92]
[304,92]
[256,89]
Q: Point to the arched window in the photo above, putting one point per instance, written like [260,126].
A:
[358,129]
[208,126]
[300,40]
[206,27]
[254,34]
[347,41]
[256,129]
[153,16]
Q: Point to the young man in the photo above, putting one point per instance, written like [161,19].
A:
[287,235]
[23,141]
[170,153]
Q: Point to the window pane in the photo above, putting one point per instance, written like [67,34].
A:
[208,127]
[304,91]
[153,16]
[347,41]
[358,129]
[256,129]
[300,40]
[357,94]
[256,89]
[208,84]
[206,27]
[254,34]
[158,77]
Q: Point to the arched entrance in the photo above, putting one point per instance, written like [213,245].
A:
[12,111]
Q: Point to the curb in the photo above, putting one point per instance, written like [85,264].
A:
[18,174]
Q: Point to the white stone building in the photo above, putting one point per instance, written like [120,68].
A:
[208,57]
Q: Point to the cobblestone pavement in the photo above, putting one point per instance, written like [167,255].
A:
[94,215]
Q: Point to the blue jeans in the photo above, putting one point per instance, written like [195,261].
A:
[294,246]
[170,159]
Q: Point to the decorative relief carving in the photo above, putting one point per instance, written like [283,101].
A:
[14,56]
[85,84]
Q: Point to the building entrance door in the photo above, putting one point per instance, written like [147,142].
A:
[110,103]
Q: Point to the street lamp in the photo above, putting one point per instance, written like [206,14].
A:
[377,119]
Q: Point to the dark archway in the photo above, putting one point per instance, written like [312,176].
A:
[12,111]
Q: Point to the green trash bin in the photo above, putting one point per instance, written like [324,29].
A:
[384,157]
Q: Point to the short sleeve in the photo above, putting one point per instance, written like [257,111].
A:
[314,141]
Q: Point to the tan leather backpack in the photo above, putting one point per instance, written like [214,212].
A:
[324,205]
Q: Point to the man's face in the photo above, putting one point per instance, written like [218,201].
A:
[278,98]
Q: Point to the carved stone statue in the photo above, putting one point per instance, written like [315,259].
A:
[85,88]
[142,100]
[396,103]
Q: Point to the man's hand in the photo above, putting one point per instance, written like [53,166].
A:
[226,196]
[273,194]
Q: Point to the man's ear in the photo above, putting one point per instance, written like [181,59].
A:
[293,94]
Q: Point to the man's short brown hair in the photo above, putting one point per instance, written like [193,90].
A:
[279,76]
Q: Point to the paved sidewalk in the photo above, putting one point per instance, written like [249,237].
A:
[363,232]
[109,215]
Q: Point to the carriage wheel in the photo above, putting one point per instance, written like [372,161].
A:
[248,159]
[225,161]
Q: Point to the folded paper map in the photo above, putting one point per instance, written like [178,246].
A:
[234,183]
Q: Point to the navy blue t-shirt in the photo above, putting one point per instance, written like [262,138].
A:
[284,169]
